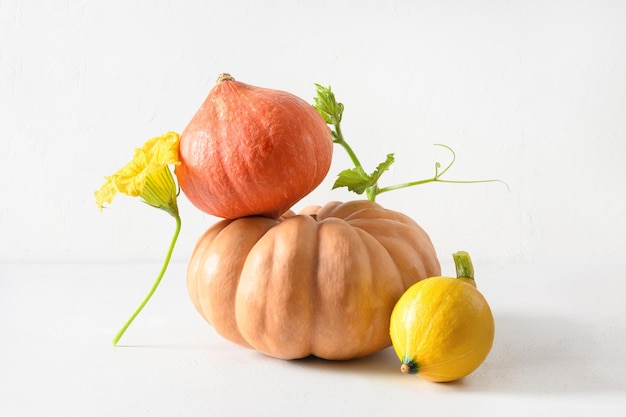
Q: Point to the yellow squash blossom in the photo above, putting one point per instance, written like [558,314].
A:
[149,177]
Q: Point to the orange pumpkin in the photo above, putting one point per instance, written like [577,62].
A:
[252,151]
[320,283]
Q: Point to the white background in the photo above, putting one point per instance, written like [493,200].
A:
[531,92]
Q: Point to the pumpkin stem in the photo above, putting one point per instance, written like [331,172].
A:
[224,77]
[464,267]
[120,333]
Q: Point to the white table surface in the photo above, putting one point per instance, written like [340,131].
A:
[560,349]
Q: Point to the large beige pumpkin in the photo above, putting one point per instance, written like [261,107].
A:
[322,283]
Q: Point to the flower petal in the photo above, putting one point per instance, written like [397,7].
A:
[148,162]
[130,179]
[106,193]
[163,149]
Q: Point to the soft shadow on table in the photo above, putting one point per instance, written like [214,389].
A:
[531,355]
[383,362]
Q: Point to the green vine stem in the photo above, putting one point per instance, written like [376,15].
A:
[338,139]
[357,179]
[371,191]
[437,176]
[156,283]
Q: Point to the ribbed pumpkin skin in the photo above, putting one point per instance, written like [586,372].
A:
[301,285]
[252,151]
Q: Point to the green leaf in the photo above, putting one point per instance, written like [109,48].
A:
[358,181]
[382,167]
[355,179]
[327,106]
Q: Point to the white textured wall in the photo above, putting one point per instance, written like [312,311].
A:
[532,92]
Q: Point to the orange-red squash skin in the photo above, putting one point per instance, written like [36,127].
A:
[252,151]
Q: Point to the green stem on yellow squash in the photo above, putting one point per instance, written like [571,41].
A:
[464,266]
[156,283]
